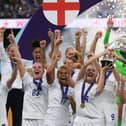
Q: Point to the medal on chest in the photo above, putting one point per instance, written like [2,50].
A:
[64,90]
[84,94]
[38,84]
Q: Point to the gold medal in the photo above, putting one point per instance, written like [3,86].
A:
[82,105]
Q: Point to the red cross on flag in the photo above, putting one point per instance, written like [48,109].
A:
[61,12]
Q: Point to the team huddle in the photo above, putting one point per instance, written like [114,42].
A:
[72,89]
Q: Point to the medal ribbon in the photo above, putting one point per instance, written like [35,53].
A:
[64,90]
[107,76]
[72,74]
[38,85]
[84,93]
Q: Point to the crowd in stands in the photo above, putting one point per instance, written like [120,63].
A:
[18,8]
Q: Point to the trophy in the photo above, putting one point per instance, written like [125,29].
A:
[107,61]
[119,43]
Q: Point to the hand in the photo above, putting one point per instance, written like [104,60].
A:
[107,51]
[50,54]
[107,68]
[84,32]
[123,79]
[106,46]
[110,23]
[15,50]
[16,60]
[59,40]
[57,33]
[98,35]
[76,52]
[43,44]
[90,55]
[78,35]
[51,34]
[56,57]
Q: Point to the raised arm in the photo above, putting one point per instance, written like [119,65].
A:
[56,55]
[50,74]
[116,75]
[84,41]
[58,41]
[13,76]
[54,37]
[108,31]
[81,47]
[98,35]
[2,30]
[3,54]
[51,37]
[15,65]
[43,55]
[101,79]
[18,61]
[77,41]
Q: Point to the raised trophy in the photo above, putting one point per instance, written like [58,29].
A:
[119,43]
[107,61]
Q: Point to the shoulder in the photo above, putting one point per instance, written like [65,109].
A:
[27,77]
[79,84]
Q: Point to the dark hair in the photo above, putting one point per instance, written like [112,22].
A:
[6,42]
[35,44]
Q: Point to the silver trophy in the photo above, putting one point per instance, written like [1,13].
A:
[107,61]
[119,43]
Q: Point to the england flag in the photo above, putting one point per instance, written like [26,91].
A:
[61,12]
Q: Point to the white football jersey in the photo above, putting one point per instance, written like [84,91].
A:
[35,101]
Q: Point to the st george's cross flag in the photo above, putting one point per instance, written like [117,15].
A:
[61,12]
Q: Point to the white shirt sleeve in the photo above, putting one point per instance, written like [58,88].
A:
[27,79]
[3,54]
